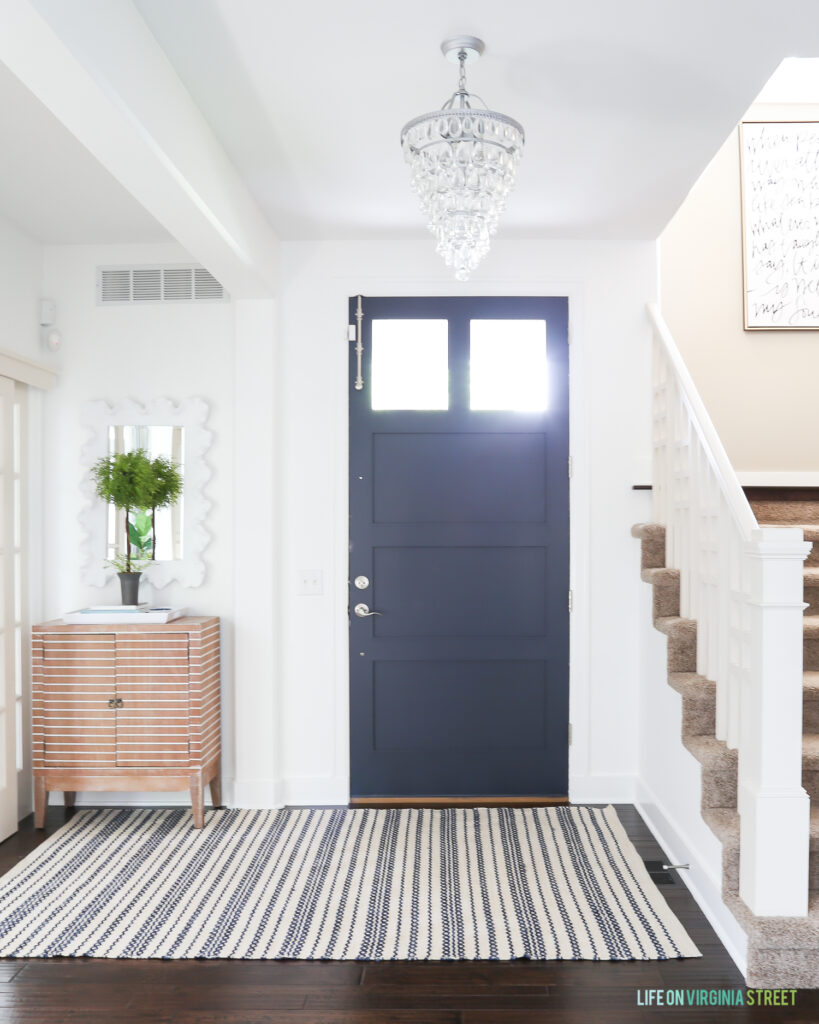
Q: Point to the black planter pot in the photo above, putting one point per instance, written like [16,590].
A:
[129,584]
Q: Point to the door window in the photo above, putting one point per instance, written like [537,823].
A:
[410,364]
[507,365]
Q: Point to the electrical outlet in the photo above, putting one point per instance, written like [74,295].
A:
[309,583]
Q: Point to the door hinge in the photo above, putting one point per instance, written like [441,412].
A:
[570,467]
[571,601]
[570,733]
[350,332]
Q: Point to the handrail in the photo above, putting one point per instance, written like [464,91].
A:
[738,503]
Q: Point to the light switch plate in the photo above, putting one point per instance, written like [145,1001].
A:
[310,583]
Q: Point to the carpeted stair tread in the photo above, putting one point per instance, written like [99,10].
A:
[689,684]
[810,751]
[810,682]
[712,753]
[659,575]
[648,531]
[811,575]
[810,626]
[785,932]
[652,544]
[723,822]
[675,625]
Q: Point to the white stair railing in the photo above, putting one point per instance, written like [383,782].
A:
[743,585]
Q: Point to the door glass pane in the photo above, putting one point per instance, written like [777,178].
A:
[18,517]
[19,752]
[17,438]
[18,588]
[410,364]
[18,662]
[507,365]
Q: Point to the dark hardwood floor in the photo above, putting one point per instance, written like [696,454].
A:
[296,992]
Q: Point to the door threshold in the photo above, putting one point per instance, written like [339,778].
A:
[457,801]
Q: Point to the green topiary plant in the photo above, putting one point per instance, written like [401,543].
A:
[164,490]
[134,483]
[125,481]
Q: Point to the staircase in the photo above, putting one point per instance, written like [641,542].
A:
[783,952]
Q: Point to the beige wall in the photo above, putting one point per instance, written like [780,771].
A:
[760,387]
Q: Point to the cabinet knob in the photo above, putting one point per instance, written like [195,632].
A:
[112,703]
[118,703]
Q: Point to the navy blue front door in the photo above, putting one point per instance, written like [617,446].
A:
[459,540]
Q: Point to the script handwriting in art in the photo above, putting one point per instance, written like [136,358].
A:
[780,209]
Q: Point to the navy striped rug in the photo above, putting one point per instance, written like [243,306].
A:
[560,883]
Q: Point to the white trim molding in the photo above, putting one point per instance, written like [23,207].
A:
[190,413]
[703,886]
[27,371]
[786,478]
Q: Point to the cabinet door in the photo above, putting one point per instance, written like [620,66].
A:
[152,706]
[78,683]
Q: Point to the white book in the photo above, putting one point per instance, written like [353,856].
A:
[123,615]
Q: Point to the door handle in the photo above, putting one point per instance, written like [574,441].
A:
[362,611]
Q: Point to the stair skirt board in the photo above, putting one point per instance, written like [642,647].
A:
[557,883]
[782,952]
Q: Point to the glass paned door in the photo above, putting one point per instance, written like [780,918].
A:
[459,548]
[11,606]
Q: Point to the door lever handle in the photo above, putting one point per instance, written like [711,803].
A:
[362,611]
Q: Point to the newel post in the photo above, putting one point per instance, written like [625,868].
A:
[774,808]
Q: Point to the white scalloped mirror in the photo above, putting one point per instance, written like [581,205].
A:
[161,427]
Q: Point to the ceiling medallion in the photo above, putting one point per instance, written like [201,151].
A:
[463,161]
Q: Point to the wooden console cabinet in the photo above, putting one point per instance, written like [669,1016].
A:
[126,707]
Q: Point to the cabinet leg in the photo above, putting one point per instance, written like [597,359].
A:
[197,800]
[40,801]
[216,786]
[69,797]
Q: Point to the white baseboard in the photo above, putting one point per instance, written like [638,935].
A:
[255,794]
[601,789]
[707,892]
[313,790]
[786,478]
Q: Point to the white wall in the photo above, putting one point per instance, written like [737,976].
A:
[608,285]
[21,272]
[758,386]
[145,352]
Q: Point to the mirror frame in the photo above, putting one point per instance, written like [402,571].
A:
[190,413]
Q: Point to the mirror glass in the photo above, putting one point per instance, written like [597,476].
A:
[154,440]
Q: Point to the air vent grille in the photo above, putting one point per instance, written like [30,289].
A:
[116,285]
[205,285]
[178,284]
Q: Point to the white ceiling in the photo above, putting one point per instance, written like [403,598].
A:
[623,103]
[50,185]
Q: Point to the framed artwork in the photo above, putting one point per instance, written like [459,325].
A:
[779,177]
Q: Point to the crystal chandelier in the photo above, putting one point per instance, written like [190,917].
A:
[463,163]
